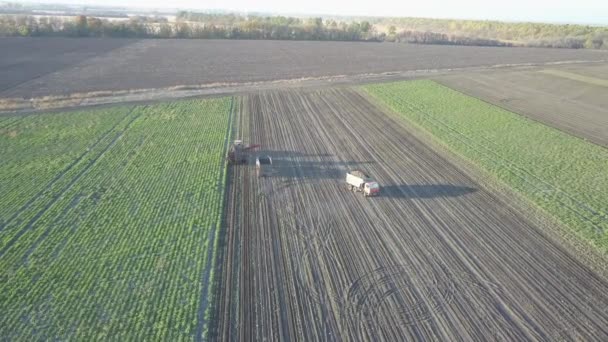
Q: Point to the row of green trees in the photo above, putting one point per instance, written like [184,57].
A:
[234,26]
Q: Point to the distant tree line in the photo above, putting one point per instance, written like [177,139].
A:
[418,37]
[79,26]
[251,27]
[280,27]
[517,34]
[234,26]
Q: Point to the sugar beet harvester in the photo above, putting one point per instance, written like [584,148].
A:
[239,152]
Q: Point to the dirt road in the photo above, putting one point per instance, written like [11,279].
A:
[436,257]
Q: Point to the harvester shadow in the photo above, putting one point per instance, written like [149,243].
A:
[425,191]
[307,169]
[293,165]
[283,154]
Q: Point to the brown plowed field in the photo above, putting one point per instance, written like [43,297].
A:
[592,70]
[28,59]
[160,63]
[436,257]
[577,107]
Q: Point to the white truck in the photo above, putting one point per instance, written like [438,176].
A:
[263,166]
[360,182]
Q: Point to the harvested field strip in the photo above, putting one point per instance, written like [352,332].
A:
[576,77]
[562,174]
[115,247]
[435,257]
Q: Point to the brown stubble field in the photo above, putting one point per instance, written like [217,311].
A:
[436,257]
[551,95]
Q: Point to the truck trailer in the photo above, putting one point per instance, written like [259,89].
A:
[263,166]
[358,181]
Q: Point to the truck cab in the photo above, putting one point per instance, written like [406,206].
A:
[371,189]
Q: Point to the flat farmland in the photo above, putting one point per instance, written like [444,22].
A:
[146,64]
[26,59]
[571,98]
[594,70]
[108,221]
[558,172]
[436,257]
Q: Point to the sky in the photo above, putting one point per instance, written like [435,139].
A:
[562,11]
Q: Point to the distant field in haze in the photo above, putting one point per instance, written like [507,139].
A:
[34,67]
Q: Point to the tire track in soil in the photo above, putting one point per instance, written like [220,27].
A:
[228,261]
[67,187]
[424,261]
[204,297]
[61,174]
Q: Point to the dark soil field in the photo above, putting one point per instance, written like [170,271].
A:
[436,257]
[27,59]
[40,67]
[578,107]
[593,70]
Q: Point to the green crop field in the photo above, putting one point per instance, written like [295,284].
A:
[566,176]
[108,220]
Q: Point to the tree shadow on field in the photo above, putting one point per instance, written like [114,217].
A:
[425,191]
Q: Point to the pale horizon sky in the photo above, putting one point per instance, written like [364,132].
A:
[581,11]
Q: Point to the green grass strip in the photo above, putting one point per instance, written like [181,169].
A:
[564,175]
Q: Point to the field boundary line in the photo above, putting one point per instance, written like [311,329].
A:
[518,112]
[552,227]
[512,167]
[553,187]
[205,307]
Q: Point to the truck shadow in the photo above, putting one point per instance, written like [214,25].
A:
[425,191]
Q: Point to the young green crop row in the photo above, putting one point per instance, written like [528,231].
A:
[562,174]
[37,149]
[112,242]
